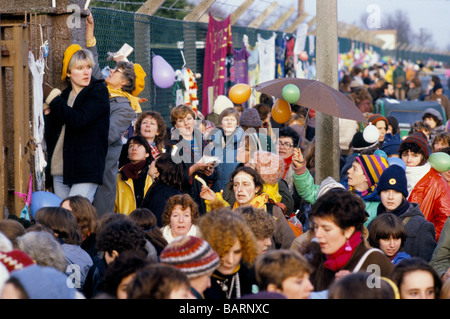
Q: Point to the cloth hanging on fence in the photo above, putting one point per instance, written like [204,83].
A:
[280,56]
[218,46]
[253,73]
[240,58]
[290,63]
[266,58]
[37,70]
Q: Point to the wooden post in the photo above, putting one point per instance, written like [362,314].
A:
[282,19]
[199,10]
[150,7]
[263,16]
[327,126]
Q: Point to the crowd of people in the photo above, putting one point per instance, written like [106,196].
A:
[227,207]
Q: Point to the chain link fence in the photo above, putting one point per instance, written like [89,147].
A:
[171,39]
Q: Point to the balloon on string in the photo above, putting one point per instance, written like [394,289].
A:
[240,93]
[41,199]
[396,161]
[371,133]
[163,74]
[440,161]
[290,93]
[303,56]
[281,111]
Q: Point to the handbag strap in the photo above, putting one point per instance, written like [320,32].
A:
[364,257]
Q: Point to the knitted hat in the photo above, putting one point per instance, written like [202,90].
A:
[270,166]
[41,282]
[250,118]
[433,112]
[359,143]
[67,56]
[327,184]
[15,259]
[140,79]
[377,117]
[421,140]
[222,103]
[373,166]
[192,255]
[391,144]
[393,177]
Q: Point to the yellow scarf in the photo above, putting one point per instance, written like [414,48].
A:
[273,192]
[134,101]
[258,202]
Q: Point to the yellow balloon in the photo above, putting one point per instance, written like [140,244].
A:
[240,93]
[281,111]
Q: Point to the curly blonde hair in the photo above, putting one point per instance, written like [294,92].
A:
[221,228]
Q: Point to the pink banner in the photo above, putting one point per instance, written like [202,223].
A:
[218,46]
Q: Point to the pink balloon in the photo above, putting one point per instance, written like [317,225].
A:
[163,74]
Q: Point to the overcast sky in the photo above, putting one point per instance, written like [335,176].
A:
[433,15]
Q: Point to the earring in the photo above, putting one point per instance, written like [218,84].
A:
[347,246]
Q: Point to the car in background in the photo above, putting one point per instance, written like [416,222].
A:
[406,112]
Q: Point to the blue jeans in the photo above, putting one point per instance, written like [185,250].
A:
[63,191]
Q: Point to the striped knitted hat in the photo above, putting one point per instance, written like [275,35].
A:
[421,140]
[373,166]
[15,259]
[192,255]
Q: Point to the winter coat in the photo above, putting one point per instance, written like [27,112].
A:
[432,193]
[156,199]
[247,284]
[121,115]
[420,233]
[225,147]
[322,278]
[185,154]
[440,260]
[399,257]
[86,132]
[307,190]
[79,258]
[125,201]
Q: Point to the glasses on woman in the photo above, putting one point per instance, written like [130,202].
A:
[286,145]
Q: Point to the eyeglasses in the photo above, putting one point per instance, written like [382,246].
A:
[285,145]
[117,69]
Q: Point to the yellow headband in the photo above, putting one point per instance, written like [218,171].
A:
[393,285]
[67,56]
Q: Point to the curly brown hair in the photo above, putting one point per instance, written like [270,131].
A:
[221,228]
[160,139]
[185,201]
[260,222]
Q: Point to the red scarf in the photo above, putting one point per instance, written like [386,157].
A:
[287,162]
[131,170]
[340,258]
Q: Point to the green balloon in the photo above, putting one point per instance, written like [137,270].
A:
[440,161]
[291,93]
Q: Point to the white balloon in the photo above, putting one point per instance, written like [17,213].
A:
[371,133]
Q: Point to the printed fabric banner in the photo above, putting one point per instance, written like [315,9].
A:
[218,46]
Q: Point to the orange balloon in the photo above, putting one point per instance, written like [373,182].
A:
[281,111]
[240,93]
[303,56]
